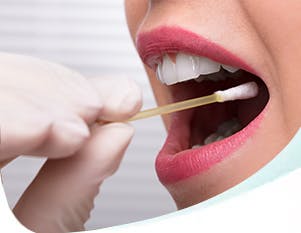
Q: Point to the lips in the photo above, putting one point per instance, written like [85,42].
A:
[153,45]
[198,139]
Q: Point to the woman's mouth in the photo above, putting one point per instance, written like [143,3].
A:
[191,67]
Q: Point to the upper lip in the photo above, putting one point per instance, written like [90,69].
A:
[153,44]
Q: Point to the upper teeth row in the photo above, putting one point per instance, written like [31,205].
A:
[187,67]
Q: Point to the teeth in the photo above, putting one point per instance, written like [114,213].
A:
[224,130]
[220,138]
[231,69]
[207,66]
[159,73]
[232,130]
[211,138]
[196,146]
[225,126]
[188,67]
[168,71]
[228,128]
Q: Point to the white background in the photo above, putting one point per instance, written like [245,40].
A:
[91,37]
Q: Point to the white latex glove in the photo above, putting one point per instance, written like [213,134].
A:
[48,110]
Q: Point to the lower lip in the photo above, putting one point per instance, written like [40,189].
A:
[173,166]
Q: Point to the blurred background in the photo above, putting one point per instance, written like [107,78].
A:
[90,36]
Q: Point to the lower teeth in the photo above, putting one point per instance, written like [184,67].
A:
[213,138]
[224,130]
[196,146]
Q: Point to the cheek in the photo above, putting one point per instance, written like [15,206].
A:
[135,11]
[278,25]
[276,22]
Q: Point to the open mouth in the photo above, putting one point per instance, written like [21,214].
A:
[201,137]
[191,77]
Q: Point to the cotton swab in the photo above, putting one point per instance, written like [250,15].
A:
[243,91]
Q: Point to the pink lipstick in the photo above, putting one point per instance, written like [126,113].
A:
[177,160]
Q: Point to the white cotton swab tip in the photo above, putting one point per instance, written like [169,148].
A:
[241,92]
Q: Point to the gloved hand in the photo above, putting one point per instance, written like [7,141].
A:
[48,110]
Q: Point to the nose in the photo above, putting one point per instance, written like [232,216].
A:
[206,14]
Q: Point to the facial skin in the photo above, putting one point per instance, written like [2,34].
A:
[267,35]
